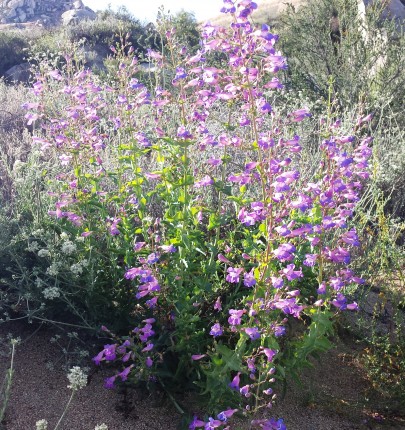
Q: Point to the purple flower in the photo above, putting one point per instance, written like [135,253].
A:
[234,385]
[153,258]
[277,282]
[245,390]
[204,182]
[148,347]
[310,259]
[253,333]
[292,274]
[284,252]
[124,374]
[235,316]
[183,133]
[217,304]
[216,330]
[149,362]
[212,424]
[198,356]
[168,248]
[233,274]
[339,255]
[279,330]
[147,332]
[224,415]
[196,423]
[109,382]
[300,114]
[249,279]
[151,303]
[109,352]
[351,238]
[269,353]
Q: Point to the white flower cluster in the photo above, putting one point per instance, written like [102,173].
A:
[41,425]
[33,246]
[77,378]
[51,293]
[77,268]
[68,247]
[43,253]
[53,269]
[101,427]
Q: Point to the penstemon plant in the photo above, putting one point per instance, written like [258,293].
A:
[227,257]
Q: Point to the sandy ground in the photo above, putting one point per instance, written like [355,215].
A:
[332,397]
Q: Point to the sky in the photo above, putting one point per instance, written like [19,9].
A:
[145,10]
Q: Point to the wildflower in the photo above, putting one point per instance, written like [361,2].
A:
[253,333]
[233,274]
[217,304]
[224,415]
[153,258]
[245,390]
[198,356]
[196,423]
[235,316]
[68,247]
[216,330]
[77,378]
[109,382]
[204,182]
[269,353]
[41,425]
[310,259]
[101,427]
[124,374]
[51,293]
[277,282]
[249,279]
[284,252]
[234,385]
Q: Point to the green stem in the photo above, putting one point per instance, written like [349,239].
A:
[8,382]
[64,412]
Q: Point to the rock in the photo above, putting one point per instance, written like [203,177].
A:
[73,16]
[14,4]
[32,10]
[78,5]
[19,73]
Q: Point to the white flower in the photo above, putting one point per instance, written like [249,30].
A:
[76,269]
[68,247]
[51,293]
[77,378]
[101,427]
[43,253]
[33,246]
[64,236]
[53,269]
[41,425]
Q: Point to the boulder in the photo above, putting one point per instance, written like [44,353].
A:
[75,15]
[19,73]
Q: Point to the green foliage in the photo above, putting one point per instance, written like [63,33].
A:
[365,58]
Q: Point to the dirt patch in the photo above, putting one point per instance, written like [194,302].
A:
[332,395]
